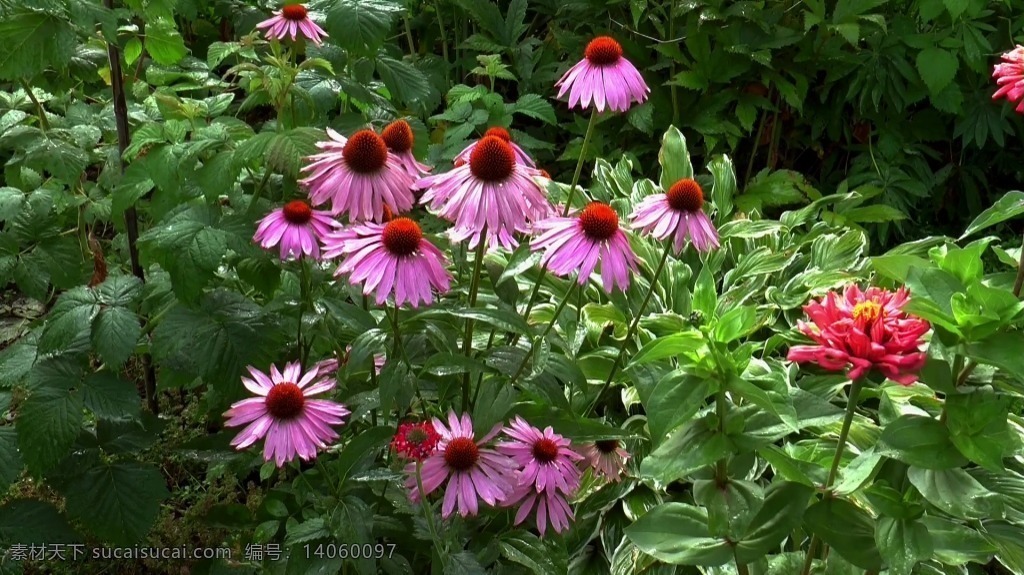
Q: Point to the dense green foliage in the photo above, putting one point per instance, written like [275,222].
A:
[838,142]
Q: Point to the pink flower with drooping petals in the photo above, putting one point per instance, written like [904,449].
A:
[473,471]
[581,242]
[358,176]
[604,76]
[297,228]
[289,21]
[293,424]
[399,138]
[1010,77]
[677,212]
[501,133]
[606,457]
[392,258]
[863,330]
[490,198]
[547,475]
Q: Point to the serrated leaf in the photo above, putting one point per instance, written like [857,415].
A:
[11,200]
[47,424]
[361,26]
[937,68]
[109,397]
[30,521]
[32,41]
[69,320]
[10,459]
[118,502]
[405,82]
[115,331]
[534,106]
[163,42]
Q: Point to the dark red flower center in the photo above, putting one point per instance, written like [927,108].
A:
[867,312]
[285,400]
[398,136]
[603,51]
[416,435]
[294,12]
[607,445]
[365,152]
[461,454]
[545,450]
[402,236]
[492,159]
[599,221]
[499,132]
[298,212]
[685,196]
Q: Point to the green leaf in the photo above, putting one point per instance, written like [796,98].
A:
[723,186]
[774,401]
[674,158]
[406,83]
[32,41]
[937,68]
[118,502]
[877,213]
[110,397]
[668,346]
[48,423]
[847,529]
[692,446]
[674,399]
[115,331]
[361,26]
[10,460]
[534,106]
[1001,350]
[902,543]
[1007,538]
[955,492]
[163,42]
[781,513]
[920,441]
[500,318]
[11,200]
[29,521]
[1008,207]
[70,320]
[677,533]
[531,552]
[736,323]
[705,294]
[957,544]
[978,427]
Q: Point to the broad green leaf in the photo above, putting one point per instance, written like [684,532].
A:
[781,513]
[730,507]
[164,43]
[406,83]
[110,397]
[70,320]
[692,446]
[10,460]
[674,158]
[30,521]
[533,553]
[978,427]
[723,186]
[675,399]
[736,323]
[1002,350]
[677,533]
[847,529]
[1008,539]
[668,346]
[920,441]
[534,106]
[957,544]
[1008,207]
[902,543]
[955,492]
[11,200]
[705,294]
[361,26]
[897,266]
[48,423]
[774,401]
[115,331]
[937,68]
[118,502]
[32,41]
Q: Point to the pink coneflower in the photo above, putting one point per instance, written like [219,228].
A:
[399,138]
[547,476]
[604,75]
[677,212]
[492,196]
[290,20]
[863,330]
[415,441]
[473,471]
[501,133]
[390,258]
[606,457]
[283,412]
[1010,77]
[580,242]
[298,228]
[358,176]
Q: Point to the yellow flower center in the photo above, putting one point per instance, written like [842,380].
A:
[867,311]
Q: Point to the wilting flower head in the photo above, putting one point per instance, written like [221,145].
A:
[547,476]
[283,412]
[390,258]
[678,212]
[604,75]
[863,330]
[501,133]
[290,20]
[415,441]
[298,229]
[587,238]
[473,471]
[606,457]
[358,176]
[1010,77]
[491,197]
[399,138]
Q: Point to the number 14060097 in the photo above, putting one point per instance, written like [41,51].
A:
[349,550]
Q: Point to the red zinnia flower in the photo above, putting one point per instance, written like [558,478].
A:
[415,440]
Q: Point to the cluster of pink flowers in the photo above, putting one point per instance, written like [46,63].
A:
[530,468]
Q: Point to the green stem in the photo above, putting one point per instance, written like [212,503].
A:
[373,368]
[632,329]
[741,568]
[1018,283]
[579,162]
[444,38]
[547,330]
[428,513]
[844,433]
[258,192]
[722,466]
[44,125]
[532,300]
[305,285]
[467,343]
